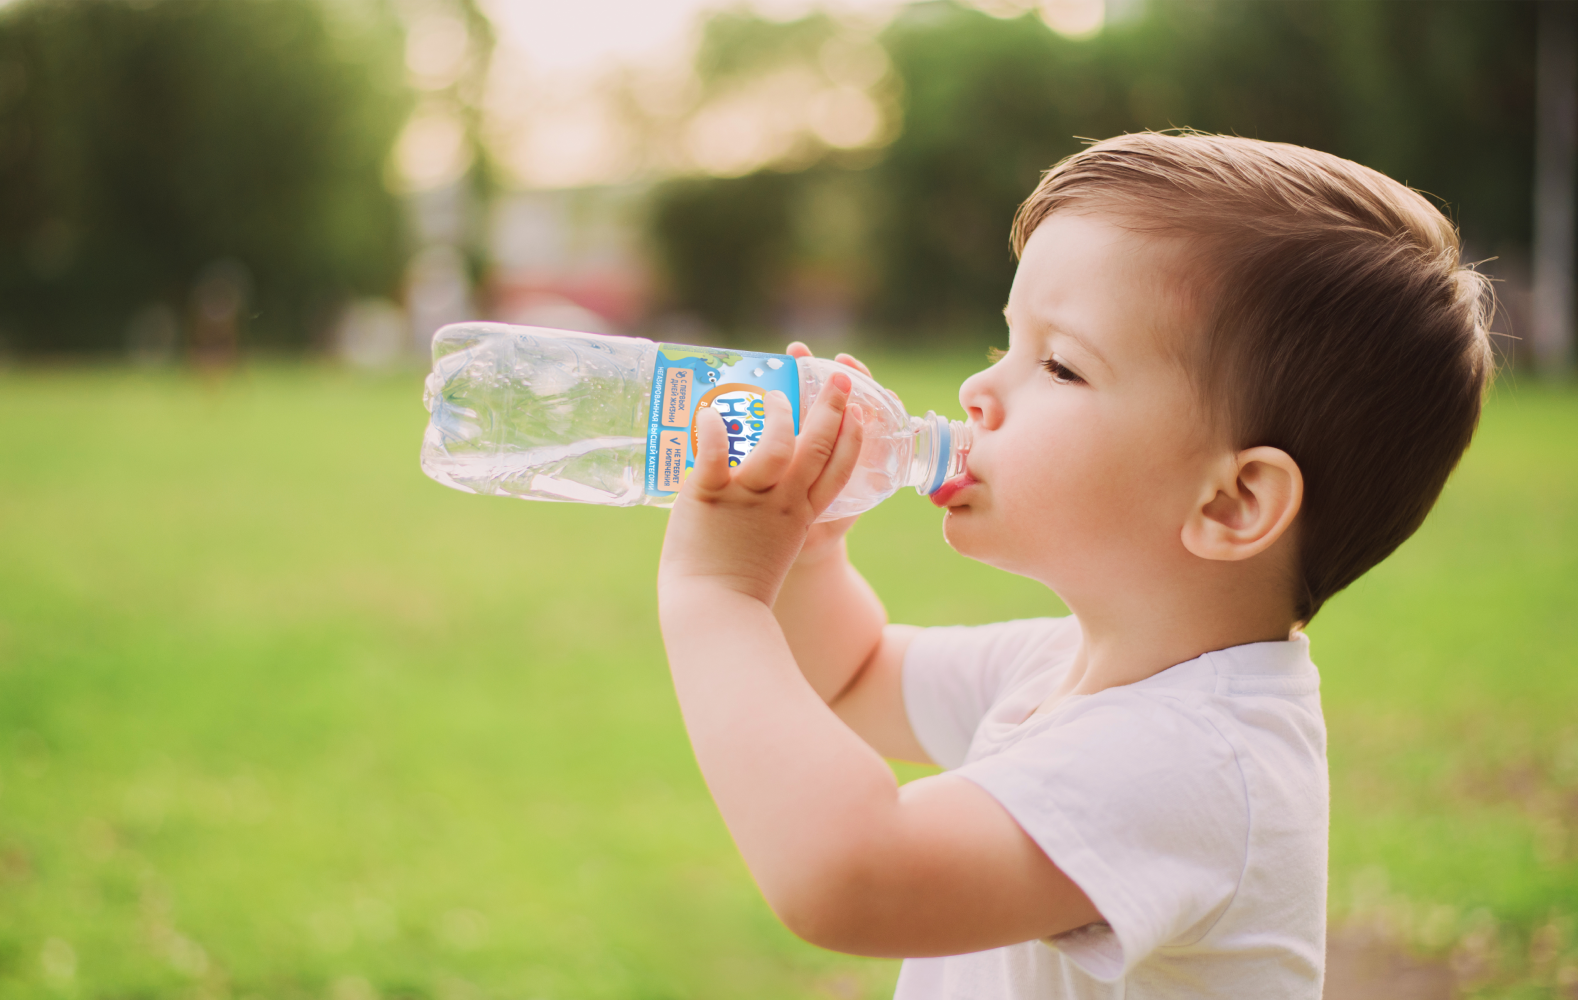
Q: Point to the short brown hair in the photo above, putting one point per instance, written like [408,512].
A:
[1342,326]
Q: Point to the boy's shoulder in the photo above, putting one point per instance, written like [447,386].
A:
[1192,814]
[1006,649]
[975,691]
[1006,654]
[955,675]
[1190,807]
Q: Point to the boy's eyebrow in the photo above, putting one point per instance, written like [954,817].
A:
[1074,336]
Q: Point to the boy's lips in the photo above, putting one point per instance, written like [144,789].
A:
[951,488]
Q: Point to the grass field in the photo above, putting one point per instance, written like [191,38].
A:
[279,717]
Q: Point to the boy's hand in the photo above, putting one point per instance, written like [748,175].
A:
[742,528]
[825,538]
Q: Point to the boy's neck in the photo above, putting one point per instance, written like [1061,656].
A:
[1126,644]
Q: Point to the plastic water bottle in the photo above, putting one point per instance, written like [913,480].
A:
[545,414]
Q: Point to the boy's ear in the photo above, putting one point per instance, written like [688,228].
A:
[1244,510]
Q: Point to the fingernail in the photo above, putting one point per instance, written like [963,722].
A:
[841,382]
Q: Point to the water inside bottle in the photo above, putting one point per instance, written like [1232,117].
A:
[537,417]
[602,470]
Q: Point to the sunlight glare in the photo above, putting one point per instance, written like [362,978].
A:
[1074,18]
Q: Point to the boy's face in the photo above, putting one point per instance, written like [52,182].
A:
[1089,450]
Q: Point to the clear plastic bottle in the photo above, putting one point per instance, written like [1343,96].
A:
[558,415]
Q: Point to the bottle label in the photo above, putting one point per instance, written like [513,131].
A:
[734,383]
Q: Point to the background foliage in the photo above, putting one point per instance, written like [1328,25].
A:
[122,178]
[1438,94]
[141,144]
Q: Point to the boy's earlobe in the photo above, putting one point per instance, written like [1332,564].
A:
[1248,508]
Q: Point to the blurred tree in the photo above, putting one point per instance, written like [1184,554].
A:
[989,104]
[744,254]
[1436,93]
[786,243]
[201,155]
[739,44]
[722,242]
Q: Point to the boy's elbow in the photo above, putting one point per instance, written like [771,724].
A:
[831,909]
[816,918]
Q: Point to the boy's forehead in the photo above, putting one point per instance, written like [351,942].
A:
[1095,279]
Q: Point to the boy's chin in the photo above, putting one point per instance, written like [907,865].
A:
[961,530]
[969,532]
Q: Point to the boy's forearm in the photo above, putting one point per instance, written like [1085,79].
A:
[832,620]
[794,784]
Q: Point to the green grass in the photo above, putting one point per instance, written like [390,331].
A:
[279,717]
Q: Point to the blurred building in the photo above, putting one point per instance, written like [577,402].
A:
[569,258]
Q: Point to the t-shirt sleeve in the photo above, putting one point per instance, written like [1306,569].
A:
[954,674]
[1142,804]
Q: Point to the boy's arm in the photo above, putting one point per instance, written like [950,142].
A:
[848,859]
[838,633]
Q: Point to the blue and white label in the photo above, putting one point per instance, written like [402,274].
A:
[734,383]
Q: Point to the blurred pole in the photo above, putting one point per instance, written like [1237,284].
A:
[1556,121]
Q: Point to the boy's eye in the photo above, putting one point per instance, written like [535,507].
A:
[1061,372]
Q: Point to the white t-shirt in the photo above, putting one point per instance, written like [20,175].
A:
[1191,807]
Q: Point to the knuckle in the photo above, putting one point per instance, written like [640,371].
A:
[822,445]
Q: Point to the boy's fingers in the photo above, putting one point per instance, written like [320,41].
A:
[819,429]
[766,463]
[855,363]
[797,349]
[841,464]
[711,471]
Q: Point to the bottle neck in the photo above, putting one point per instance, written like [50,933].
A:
[941,446]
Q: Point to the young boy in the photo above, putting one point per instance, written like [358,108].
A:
[1238,374]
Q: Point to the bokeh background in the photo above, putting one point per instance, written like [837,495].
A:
[279,717]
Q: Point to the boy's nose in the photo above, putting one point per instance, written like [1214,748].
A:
[979,401]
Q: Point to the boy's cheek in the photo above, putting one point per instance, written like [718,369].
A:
[1080,498]
[1069,516]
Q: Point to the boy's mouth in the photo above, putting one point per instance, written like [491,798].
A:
[951,488]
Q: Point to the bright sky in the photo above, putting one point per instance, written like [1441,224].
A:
[554,117]
[554,121]
[581,36]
